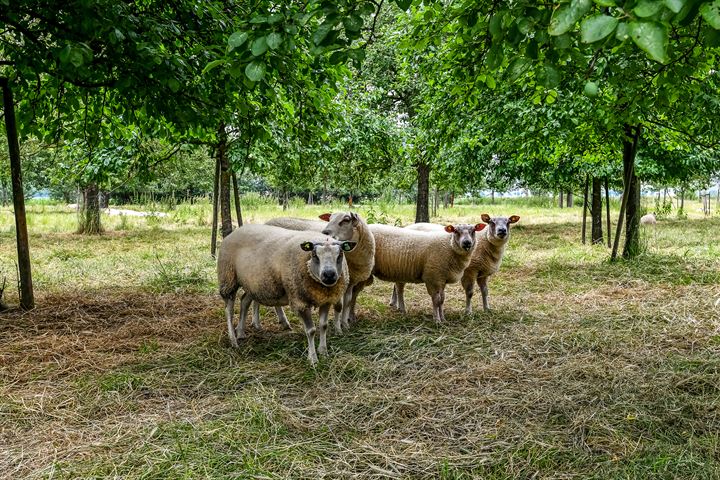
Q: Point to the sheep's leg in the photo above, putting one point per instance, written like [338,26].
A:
[338,318]
[347,303]
[437,295]
[229,310]
[282,319]
[400,287]
[352,318]
[483,284]
[469,287]
[393,298]
[306,315]
[256,316]
[322,348]
[245,301]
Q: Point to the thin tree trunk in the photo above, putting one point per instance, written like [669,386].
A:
[225,180]
[607,210]
[216,204]
[632,202]
[682,198]
[596,211]
[569,199]
[90,215]
[236,191]
[561,197]
[422,213]
[585,208]
[630,141]
[436,201]
[492,197]
[27,297]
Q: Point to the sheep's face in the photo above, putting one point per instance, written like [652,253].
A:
[464,235]
[326,260]
[499,227]
[341,225]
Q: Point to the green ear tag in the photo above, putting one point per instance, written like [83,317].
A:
[307,246]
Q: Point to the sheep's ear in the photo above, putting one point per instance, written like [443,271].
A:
[307,246]
[325,216]
[348,246]
[514,219]
[449,228]
[485,218]
[479,227]
[354,218]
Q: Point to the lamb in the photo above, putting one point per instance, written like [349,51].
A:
[343,226]
[435,259]
[486,258]
[648,219]
[278,267]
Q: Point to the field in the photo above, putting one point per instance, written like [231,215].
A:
[584,368]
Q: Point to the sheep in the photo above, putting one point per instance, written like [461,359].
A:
[648,219]
[435,259]
[343,226]
[486,258]
[278,267]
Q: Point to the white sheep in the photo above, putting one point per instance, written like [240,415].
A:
[343,226]
[435,259]
[278,267]
[648,219]
[486,258]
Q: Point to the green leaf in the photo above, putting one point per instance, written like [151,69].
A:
[606,3]
[236,40]
[403,4]
[495,26]
[567,15]
[651,37]
[353,23]
[591,89]
[711,13]
[174,85]
[549,77]
[623,32]
[274,40]
[255,70]
[647,8]
[258,19]
[322,32]
[259,46]
[597,27]
[212,65]
[674,5]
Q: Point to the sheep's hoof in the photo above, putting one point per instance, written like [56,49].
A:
[257,327]
[285,326]
[338,330]
[323,351]
[353,318]
[239,334]
[313,360]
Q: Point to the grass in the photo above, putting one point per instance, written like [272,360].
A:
[584,369]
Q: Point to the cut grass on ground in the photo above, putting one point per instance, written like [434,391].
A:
[584,369]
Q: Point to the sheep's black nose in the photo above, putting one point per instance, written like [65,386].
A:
[328,277]
[466,244]
[501,232]
[326,232]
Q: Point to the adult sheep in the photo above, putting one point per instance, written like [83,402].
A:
[278,267]
[343,226]
[435,259]
[486,258]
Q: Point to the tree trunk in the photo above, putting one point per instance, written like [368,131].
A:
[492,197]
[436,201]
[422,213]
[607,210]
[236,191]
[104,199]
[561,197]
[630,140]
[216,204]
[310,198]
[27,297]
[596,212]
[585,208]
[225,181]
[569,200]
[90,214]
[632,214]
